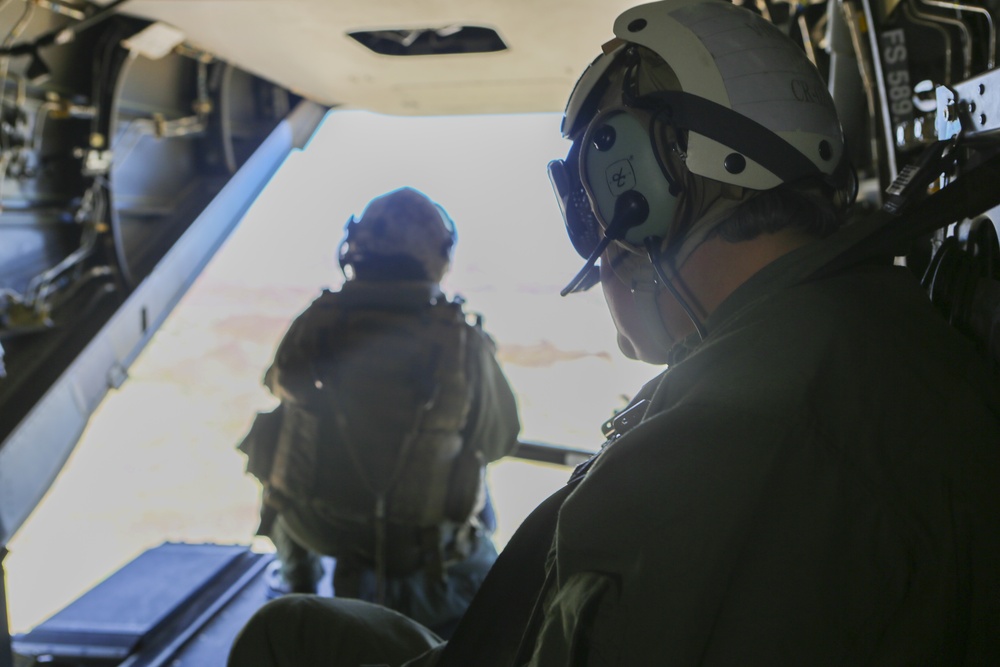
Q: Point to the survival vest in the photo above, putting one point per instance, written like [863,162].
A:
[376,447]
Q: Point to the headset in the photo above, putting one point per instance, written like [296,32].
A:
[623,175]
[620,163]
[615,168]
[617,155]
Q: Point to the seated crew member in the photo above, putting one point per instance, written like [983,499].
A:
[813,481]
[391,406]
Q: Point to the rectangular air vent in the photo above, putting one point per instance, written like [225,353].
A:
[431,41]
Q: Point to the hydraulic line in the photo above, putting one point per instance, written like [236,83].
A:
[959,7]
[914,15]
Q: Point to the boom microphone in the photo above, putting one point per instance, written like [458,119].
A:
[631,210]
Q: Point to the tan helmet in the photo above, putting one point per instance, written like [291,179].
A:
[746,89]
[402,222]
[749,109]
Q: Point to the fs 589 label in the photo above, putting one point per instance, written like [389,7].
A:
[896,70]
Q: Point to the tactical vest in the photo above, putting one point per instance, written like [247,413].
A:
[376,449]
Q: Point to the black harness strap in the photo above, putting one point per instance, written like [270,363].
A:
[969,195]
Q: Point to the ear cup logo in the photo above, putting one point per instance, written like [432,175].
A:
[620,177]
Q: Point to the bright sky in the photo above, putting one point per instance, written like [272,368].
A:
[158,463]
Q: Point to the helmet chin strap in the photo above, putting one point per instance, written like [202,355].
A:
[645,294]
[665,270]
[661,278]
[646,279]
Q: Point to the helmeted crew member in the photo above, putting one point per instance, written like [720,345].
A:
[392,406]
[813,479]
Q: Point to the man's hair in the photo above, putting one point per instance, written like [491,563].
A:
[807,209]
[382,268]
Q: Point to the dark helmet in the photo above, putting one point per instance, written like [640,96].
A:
[404,222]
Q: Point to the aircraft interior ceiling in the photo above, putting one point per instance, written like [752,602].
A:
[135,133]
[425,58]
